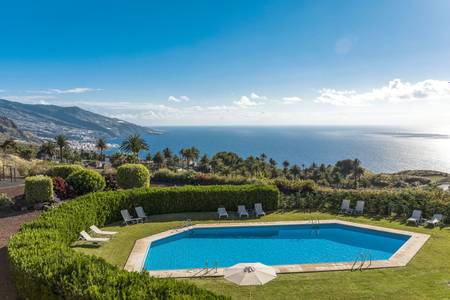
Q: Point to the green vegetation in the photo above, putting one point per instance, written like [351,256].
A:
[133,176]
[5,201]
[38,189]
[134,144]
[381,202]
[167,176]
[61,142]
[425,277]
[43,263]
[101,145]
[64,171]
[86,181]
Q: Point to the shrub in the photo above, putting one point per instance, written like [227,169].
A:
[44,264]
[86,181]
[133,176]
[385,202]
[295,186]
[38,189]
[60,188]
[63,171]
[196,178]
[5,201]
[111,182]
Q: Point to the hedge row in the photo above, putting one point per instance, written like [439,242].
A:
[44,266]
[385,202]
[195,178]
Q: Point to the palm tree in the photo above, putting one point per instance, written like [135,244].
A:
[285,167]
[158,160]
[296,171]
[134,144]
[101,146]
[62,142]
[47,149]
[358,171]
[167,153]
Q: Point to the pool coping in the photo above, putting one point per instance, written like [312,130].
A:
[401,258]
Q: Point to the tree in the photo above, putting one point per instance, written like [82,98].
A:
[285,167]
[101,146]
[134,144]
[295,171]
[47,150]
[358,171]
[62,142]
[204,165]
[158,160]
[167,153]
[345,167]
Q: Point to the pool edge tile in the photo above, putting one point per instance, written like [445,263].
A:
[136,259]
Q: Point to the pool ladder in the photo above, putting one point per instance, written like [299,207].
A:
[361,260]
[187,223]
[315,226]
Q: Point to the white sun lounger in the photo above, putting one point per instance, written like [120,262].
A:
[359,209]
[345,206]
[259,210]
[140,212]
[127,218]
[415,217]
[97,230]
[242,211]
[435,220]
[85,236]
[222,212]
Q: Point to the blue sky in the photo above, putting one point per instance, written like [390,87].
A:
[232,62]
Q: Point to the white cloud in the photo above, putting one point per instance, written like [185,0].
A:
[77,90]
[178,99]
[255,96]
[245,102]
[396,91]
[291,100]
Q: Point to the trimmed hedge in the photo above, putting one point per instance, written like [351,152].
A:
[38,189]
[44,266]
[384,202]
[205,198]
[133,176]
[86,181]
[64,171]
[196,178]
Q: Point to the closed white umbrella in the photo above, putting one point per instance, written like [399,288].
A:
[250,274]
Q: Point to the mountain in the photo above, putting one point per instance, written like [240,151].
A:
[47,121]
[9,130]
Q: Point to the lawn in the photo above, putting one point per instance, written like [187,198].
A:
[427,276]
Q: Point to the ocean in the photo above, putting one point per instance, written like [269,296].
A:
[379,149]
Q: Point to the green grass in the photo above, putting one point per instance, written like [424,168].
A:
[427,276]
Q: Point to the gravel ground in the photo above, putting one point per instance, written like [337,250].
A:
[10,224]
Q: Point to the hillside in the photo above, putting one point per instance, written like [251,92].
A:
[47,121]
[9,130]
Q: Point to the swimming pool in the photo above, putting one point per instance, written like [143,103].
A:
[272,245]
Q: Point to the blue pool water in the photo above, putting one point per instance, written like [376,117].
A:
[270,245]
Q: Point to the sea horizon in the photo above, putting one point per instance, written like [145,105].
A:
[381,149]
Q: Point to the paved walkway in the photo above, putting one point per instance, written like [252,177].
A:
[10,224]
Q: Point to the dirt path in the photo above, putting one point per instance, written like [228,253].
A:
[10,224]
